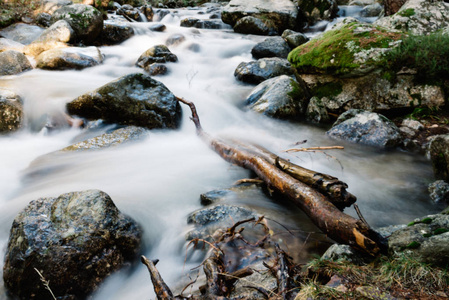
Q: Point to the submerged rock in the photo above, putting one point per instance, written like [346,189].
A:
[134,99]
[257,71]
[11,111]
[69,58]
[13,62]
[75,241]
[368,128]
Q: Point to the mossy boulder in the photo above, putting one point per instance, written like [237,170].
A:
[134,99]
[350,49]
[11,111]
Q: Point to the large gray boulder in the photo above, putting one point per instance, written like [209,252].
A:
[271,47]
[21,33]
[11,111]
[75,241]
[86,21]
[7,44]
[280,97]
[439,155]
[265,68]
[364,127]
[134,99]
[282,13]
[13,62]
[418,17]
[427,238]
[69,58]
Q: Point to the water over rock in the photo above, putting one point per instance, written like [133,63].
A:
[265,68]
[134,99]
[86,21]
[11,111]
[75,241]
[364,127]
[280,97]
[13,62]
[271,47]
[69,58]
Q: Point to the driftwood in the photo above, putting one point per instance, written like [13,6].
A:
[163,292]
[326,216]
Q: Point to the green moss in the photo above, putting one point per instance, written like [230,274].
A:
[297,92]
[413,245]
[440,231]
[426,220]
[426,235]
[407,12]
[328,90]
[411,224]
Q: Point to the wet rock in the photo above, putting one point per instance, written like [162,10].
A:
[345,252]
[264,279]
[439,155]
[13,62]
[281,13]
[244,192]
[7,44]
[112,139]
[21,33]
[271,47]
[413,124]
[368,128]
[439,191]
[75,241]
[318,10]
[69,58]
[418,17]
[50,6]
[11,111]
[134,99]
[130,12]
[426,238]
[157,27]
[148,12]
[175,39]
[211,24]
[115,32]
[189,22]
[257,71]
[156,69]
[294,39]
[253,25]
[43,19]
[160,14]
[373,10]
[156,54]
[86,21]
[316,111]
[280,97]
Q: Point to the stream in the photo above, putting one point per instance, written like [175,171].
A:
[158,181]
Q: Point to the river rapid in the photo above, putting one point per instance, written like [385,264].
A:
[158,181]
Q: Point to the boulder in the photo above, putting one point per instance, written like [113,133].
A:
[280,97]
[7,44]
[50,6]
[159,27]
[212,24]
[254,25]
[11,111]
[21,33]
[115,32]
[69,58]
[129,12]
[134,99]
[265,68]
[294,39]
[439,191]
[316,111]
[156,54]
[373,10]
[156,69]
[426,238]
[75,241]
[418,17]
[13,62]
[317,10]
[364,127]
[57,35]
[86,21]
[439,155]
[281,13]
[271,47]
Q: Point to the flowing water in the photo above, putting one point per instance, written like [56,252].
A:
[158,181]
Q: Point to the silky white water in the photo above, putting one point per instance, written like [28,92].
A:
[158,181]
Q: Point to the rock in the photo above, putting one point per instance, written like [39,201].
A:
[56,36]
[279,97]
[148,12]
[50,6]
[86,21]
[271,47]
[257,71]
[294,39]
[413,124]
[368,128]
[156,69]
[75,241]
[372,292]
[346,252]
[115,33]
[243,192]
[426,238]
[7,44]
[157,27]
[392,6]
[11,111]
[156,54]
[212,24]
[130,12]
[69,58]
[373,10]
[316,111]
[439,191]
[134,99]
[175,39]
[113,139]
[243,289]
[318,10]
[43,19]
[418,17]
[13,62]
[21,33]
[281,13]
[439,155]
[188,22]
[253,25]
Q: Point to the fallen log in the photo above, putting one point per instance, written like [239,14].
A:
[326,216]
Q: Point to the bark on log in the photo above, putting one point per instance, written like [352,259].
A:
[338,226]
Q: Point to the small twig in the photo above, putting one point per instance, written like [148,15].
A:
[249,180]
[312,149]
[45,283]
[356,207]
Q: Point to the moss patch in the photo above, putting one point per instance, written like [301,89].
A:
[328,90]
[407,12]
